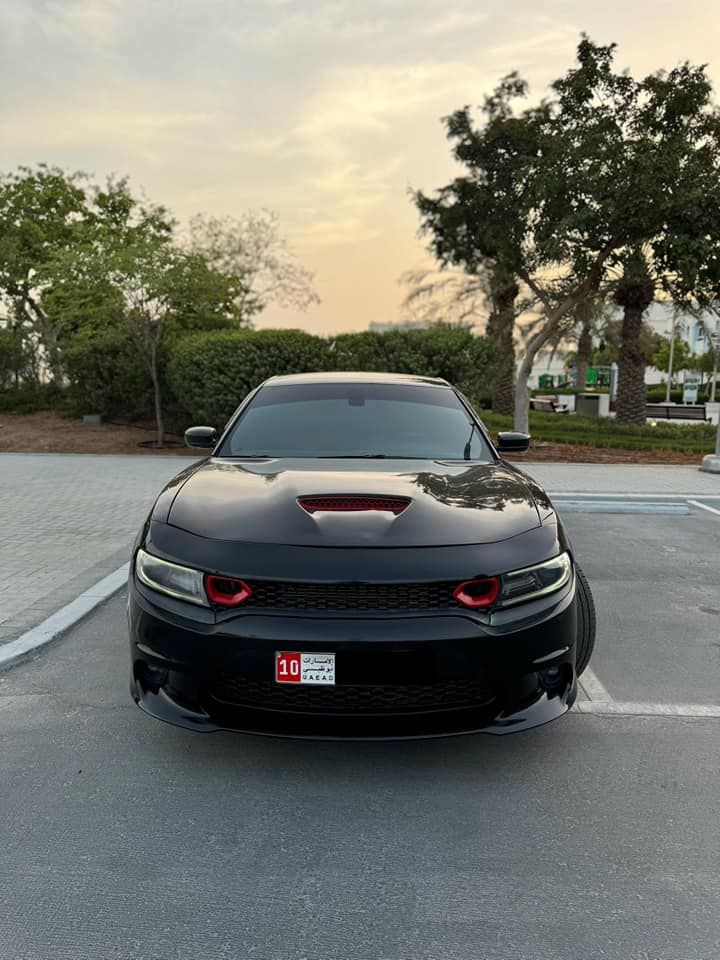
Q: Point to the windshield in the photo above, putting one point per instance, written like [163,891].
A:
[356,420]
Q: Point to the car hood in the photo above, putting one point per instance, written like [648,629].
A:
[257,501]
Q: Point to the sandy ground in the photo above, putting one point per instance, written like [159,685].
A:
[49,432]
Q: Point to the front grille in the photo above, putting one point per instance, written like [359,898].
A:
[280,595]
[346,699]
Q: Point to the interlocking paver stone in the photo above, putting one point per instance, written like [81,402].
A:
[66,521]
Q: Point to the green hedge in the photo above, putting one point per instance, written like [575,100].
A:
[452,353]
[210,373]
[32,397]
[656,394]
[108,376]
[606,432]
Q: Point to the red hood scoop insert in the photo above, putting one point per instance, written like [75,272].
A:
[353,503]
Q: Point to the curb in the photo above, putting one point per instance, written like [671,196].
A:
[64,618]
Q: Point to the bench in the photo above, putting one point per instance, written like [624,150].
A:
[676,411]
[548,405]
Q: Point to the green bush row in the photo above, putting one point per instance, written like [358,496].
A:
[205,375]
[210,373]
[606,432]
[656,394]
[31,397]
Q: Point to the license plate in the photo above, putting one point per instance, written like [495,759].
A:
[317,668]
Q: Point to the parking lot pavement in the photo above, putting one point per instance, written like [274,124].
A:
[595,837]
[67,521]
[656,581]
[624,478]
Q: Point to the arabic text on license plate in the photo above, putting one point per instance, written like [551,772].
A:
[292,667]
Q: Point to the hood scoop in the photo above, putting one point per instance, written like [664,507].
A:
[353,503]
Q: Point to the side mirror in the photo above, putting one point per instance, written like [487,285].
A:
[203,438]
[510,442]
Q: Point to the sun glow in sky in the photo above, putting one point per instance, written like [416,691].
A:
[327,111]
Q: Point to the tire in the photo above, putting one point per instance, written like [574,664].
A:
[586,622]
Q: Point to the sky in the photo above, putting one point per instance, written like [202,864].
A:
[326,111]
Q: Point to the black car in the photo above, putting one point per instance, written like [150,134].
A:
[355,559]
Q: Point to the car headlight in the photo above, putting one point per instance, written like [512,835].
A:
[183,583]
[535,581]
[515,587]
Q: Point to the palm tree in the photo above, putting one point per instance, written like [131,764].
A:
[635,291]
[452,295]
[503,291]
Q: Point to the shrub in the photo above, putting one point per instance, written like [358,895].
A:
[210,373]
[31,397]
[16,357]
[606,432]
[656,394]
[453,353]
[107,375]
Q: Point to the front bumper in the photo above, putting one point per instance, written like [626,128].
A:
[406,676]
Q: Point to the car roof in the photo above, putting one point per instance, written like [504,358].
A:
[359,377]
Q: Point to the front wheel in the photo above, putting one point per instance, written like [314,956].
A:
[586,622]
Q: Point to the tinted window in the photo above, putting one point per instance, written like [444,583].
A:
[360,419]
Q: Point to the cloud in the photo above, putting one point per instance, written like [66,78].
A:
[83,21]
[452,21]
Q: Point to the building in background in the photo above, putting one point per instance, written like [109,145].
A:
[377,326]
[689,327]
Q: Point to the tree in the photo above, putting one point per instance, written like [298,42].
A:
[518,210]
[565,191]
[683,357]
[449,296]
[634,293]
[42,211]
[251,249]
[709,362]
[587,321]
[486,298]
[504,291]
[159,291]
[46,215]
[16,357]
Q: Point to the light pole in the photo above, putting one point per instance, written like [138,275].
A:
[671,358]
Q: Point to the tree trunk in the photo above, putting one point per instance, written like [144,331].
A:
[48,336]
[522,393]
[634,293]
[156,395]
[631,395]
[501,327]
[584,356]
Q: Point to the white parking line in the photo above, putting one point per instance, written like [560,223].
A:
[704,506]
[63,619]
[631,496]
[621,506]
[619,709]
[594,689]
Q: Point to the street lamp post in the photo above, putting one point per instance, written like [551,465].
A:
[670,359]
